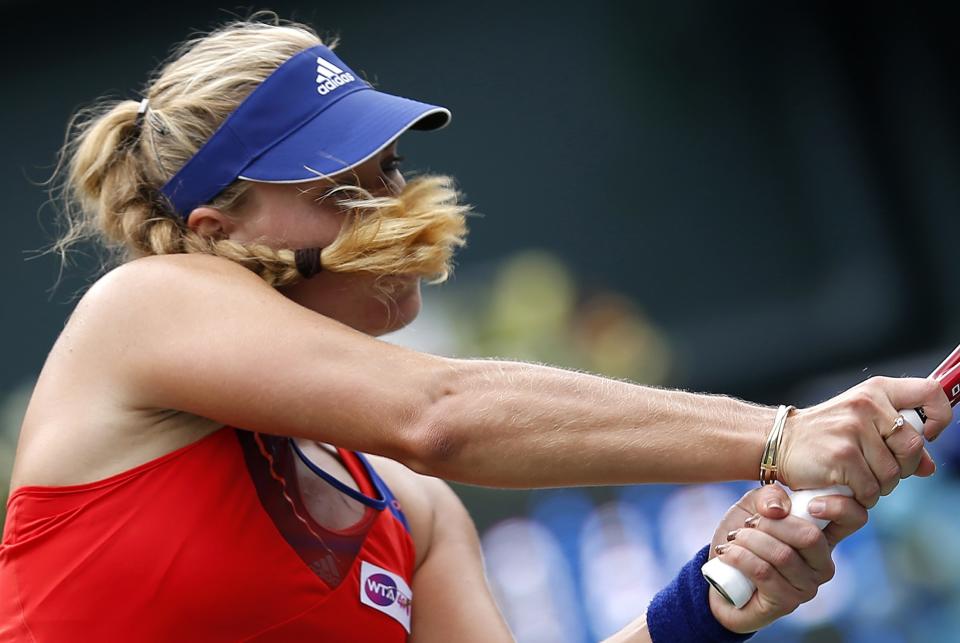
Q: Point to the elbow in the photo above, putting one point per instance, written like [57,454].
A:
[435,451]
[434,445]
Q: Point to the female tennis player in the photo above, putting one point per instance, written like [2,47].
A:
[190,465]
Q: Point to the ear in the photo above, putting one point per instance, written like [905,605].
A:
[210,222]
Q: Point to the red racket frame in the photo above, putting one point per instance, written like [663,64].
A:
[948,375]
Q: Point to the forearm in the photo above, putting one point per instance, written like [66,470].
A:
[635,632]
[514,424]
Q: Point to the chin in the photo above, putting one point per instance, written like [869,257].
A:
[354,302]
[401,311]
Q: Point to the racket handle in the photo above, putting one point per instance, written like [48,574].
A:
[730,581]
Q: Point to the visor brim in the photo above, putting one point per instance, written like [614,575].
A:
[346,134]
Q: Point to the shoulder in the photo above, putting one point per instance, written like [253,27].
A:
[144,306]
[425,501]
[151,290]
[180,273]
[422,493]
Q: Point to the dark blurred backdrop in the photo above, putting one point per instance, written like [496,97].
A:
[769,190]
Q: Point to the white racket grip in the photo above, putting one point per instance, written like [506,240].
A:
[730,581]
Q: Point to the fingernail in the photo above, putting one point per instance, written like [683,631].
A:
[720,549]
[816,507]
[752,521]
[775,504]
[731,535]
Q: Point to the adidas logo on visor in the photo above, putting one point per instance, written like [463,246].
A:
[329,76]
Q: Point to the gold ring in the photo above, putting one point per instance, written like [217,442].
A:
[897,425]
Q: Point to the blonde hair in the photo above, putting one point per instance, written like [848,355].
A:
[114,163]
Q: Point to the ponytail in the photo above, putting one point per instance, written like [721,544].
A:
[118,156]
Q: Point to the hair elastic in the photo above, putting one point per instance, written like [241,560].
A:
[141,112]
[131,138]
[308,261]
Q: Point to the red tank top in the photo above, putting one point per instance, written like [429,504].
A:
[212,542]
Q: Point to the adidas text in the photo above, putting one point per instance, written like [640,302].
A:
[325,85]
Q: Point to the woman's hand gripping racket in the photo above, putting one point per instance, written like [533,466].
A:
[736,587]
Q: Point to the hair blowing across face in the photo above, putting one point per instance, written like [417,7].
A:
[114,164]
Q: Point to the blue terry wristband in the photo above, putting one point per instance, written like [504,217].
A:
[680,612]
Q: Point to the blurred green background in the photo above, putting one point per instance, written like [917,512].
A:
[756,199]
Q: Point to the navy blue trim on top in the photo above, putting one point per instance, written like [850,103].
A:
[385,492]
[271,464]
[379,505]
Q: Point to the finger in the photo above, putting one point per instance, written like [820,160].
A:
[886,467]
[846,516]
[915,392]
[774,593]
[770,501]
[795,534]
[862,481]
[904,443]
[784,558]
[927,466]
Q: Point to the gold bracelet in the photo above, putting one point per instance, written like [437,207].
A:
[770,461]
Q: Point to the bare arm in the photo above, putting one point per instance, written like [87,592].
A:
[571,428]
[451,599]
[207,337]
[204,336]
[635,632]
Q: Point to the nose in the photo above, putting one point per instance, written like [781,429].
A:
[392,185]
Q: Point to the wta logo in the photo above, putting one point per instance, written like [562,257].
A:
[329,76]
[386,592]
[382,590]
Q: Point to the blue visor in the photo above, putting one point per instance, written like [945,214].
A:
[310,119]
